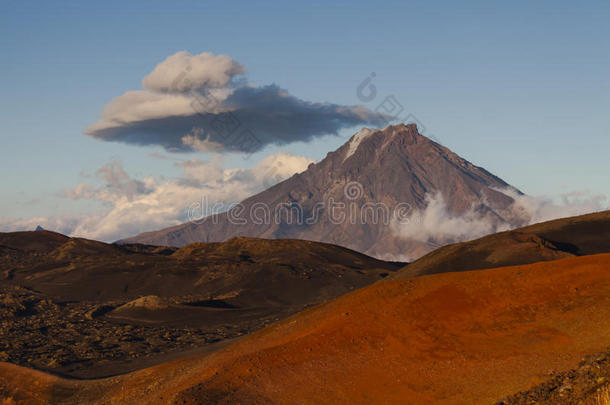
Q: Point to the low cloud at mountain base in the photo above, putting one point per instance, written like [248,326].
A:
[436,224]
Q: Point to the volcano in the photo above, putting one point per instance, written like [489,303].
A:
[355,196]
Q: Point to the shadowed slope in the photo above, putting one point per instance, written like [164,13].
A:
[38,241]
[279,271]
[453,338]
[566,237]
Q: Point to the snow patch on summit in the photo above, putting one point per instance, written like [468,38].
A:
[355,142]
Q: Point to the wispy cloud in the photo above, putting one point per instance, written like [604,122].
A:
[139,205]
[437,225]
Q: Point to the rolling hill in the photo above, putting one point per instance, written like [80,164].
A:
[567,237]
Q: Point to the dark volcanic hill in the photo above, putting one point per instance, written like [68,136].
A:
[561,238]
[89,308]
[254,271]
[396,167]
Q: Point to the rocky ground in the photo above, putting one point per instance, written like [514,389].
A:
[72,337]
[589,383]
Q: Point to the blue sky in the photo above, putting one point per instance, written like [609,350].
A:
[520,88]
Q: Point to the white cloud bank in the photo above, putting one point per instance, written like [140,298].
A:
[208,93]
[135,206]
[436,225]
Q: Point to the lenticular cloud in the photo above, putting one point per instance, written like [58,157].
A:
[197,102]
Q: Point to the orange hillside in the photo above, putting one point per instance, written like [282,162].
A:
[454,338]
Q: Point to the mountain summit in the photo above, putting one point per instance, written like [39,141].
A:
[364,196]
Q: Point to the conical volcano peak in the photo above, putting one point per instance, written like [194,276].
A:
[390,130]
[388,169]
[401,127]
[368,144]
[406,131]
[355,140]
